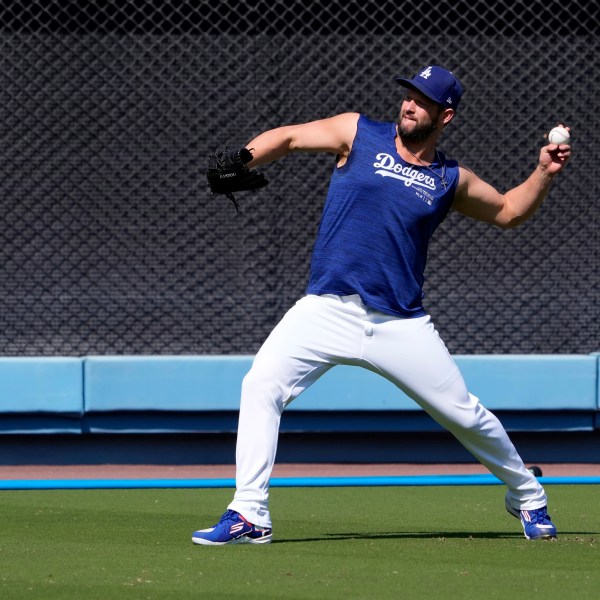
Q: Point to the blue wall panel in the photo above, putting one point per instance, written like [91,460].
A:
[44,384]
[170,383]
[100,394]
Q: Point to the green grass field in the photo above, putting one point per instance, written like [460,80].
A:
[371,543]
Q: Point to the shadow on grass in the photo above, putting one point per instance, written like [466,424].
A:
[416,535]
[405,535]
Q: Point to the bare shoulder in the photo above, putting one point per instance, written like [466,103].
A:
[339,120]
[344,123]
[476,198]
[332,134]
[470,185]
[350,117]
[465,173]
[465,177]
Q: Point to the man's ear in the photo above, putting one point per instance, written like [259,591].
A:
[447,116]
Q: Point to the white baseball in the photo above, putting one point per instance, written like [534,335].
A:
[559,135]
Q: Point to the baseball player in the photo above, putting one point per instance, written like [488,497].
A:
[390,188]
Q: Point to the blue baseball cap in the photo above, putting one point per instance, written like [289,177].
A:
[438,84]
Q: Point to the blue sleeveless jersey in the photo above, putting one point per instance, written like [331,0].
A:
[378,218]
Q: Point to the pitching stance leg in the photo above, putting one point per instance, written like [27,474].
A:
[314,335]
[321,332]
[410,353]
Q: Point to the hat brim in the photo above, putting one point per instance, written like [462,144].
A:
[409,83]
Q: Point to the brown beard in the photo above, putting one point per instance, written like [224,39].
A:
[419,134]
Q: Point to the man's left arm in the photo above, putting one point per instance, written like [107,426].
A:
[479,200]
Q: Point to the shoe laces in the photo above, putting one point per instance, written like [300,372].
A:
[229,515]
[539,516]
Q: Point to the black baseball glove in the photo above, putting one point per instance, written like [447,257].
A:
[227,173]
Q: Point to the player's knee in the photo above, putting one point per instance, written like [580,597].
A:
[258,386]
[470,422]
[464,413]
[472,416]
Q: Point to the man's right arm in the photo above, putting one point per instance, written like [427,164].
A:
[334,135]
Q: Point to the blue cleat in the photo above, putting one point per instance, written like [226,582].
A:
[232,529]
[536,522]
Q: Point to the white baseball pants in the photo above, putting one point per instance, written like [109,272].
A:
[319,332]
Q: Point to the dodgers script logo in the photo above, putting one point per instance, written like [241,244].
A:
[387,167]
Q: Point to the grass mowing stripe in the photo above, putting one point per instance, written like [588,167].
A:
[381,542]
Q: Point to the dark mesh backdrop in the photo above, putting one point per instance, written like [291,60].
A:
[110,243]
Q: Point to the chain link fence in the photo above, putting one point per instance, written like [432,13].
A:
[110,243]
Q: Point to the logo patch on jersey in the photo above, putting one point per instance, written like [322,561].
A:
[387,167]
[425,196]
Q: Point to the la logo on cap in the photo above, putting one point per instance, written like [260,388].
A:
[437,83]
